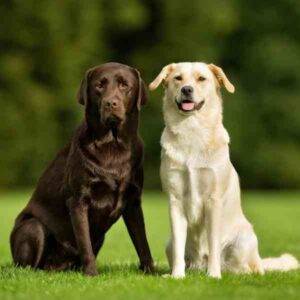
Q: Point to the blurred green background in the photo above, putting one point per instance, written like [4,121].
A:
[46,46]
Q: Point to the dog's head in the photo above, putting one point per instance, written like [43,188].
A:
[190,86]
[111,92]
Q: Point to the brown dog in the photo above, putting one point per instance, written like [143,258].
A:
[94,179]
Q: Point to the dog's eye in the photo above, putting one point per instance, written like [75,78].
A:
[101,83]
[201,78]
[179,77]
[123,84]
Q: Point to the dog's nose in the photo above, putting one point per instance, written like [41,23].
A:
[111,104]
[187,90]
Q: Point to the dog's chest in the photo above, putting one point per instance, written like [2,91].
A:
[194,200]
[187,148]
[185,161]
[194,211]
[184,186]
[106,204]
[111,179]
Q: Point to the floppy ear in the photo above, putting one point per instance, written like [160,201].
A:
[142,94]
[161,76]
[82,93]
[222,78]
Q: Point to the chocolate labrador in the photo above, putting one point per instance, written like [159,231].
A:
[93,181]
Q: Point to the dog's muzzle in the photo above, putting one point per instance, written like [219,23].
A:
[112,113]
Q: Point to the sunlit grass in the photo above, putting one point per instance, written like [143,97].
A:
[276,220]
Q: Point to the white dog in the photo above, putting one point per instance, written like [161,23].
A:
[208,227]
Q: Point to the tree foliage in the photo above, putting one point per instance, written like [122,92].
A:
[46,46]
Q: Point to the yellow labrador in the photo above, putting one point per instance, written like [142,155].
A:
[208,227]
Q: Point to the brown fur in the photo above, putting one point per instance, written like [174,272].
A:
[94,179]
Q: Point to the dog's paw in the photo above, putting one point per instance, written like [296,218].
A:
[90,270]
[174,275]
[147,268]
[214,274]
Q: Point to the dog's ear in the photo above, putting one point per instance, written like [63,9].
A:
[142,96]
[161,77]
[82,93]
[222,78]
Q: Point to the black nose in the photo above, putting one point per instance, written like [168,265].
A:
[187,90]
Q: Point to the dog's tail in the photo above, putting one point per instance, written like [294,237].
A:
[283,263]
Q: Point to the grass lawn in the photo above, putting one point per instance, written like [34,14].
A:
[276,218]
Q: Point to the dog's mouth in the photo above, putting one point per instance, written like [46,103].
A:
[113,121]
[114,124]
[189,105]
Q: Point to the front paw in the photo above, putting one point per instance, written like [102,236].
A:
[214,274]
[90,270]
[176,275]
[147,268]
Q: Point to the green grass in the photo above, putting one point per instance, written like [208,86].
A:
[276,220]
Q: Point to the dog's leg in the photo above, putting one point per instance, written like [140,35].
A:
[134,220]
[244,252]
[168,252]
[79,216]
[179,233]
[213,214]
[28,243]
[212,206]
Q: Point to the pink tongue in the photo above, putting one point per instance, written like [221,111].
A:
[187,105]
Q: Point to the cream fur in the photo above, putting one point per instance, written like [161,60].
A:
[208,228]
